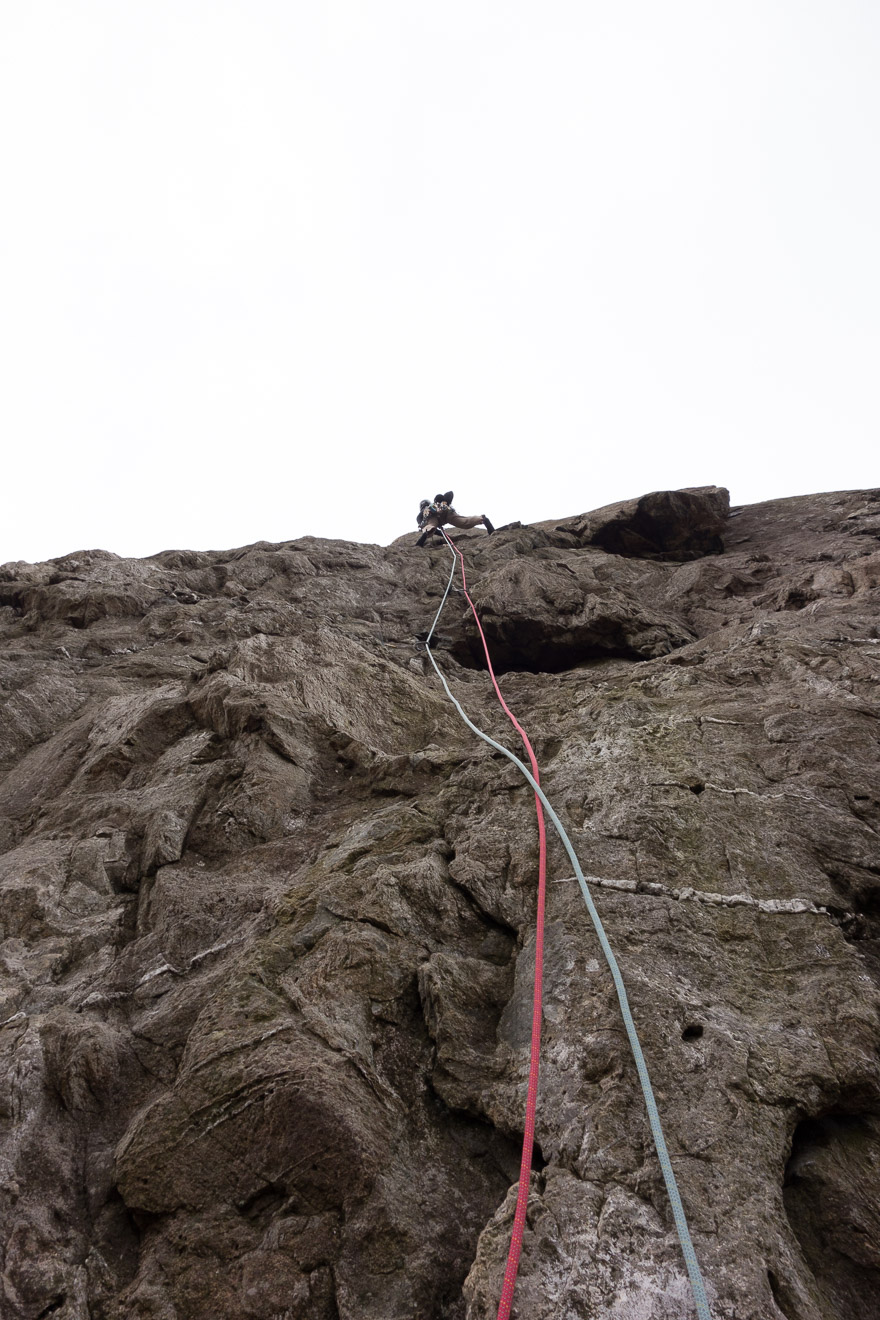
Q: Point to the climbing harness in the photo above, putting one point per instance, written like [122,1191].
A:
[684,1237]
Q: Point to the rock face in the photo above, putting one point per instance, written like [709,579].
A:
[267,908]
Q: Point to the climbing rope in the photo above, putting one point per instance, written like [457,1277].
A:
[525,1168]
[687,1247]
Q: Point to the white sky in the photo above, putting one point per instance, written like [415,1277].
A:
[277,267]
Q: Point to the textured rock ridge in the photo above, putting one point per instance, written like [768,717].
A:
[266,922]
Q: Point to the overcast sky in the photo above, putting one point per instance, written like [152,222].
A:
[279,267]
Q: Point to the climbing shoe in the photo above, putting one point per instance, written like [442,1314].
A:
[488,526]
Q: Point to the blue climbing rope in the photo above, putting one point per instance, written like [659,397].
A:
[687,1247]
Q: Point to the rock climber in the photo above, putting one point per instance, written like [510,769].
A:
[436,513]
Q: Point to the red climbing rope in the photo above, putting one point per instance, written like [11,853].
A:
[525,1168]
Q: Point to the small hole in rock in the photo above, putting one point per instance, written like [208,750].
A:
[263,1204]
[696,788]
[692,1032]
[55,1305]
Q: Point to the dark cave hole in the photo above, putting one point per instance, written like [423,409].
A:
[696,788]
[550,658]
[525,651]
[693,1031]
[141,1220]
[539,1163]
[868,901]
[795,598]
[55,1305]
[12,594]
[263,1204]
[813,1134]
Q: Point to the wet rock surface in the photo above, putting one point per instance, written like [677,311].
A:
[267,908]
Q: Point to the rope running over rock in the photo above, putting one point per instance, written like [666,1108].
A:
[525,1169]
[696,1279]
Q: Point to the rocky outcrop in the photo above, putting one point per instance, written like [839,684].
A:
[667,525]
[266,922]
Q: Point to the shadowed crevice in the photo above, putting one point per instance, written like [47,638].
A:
[829,1193]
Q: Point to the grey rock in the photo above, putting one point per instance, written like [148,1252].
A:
[267,922]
